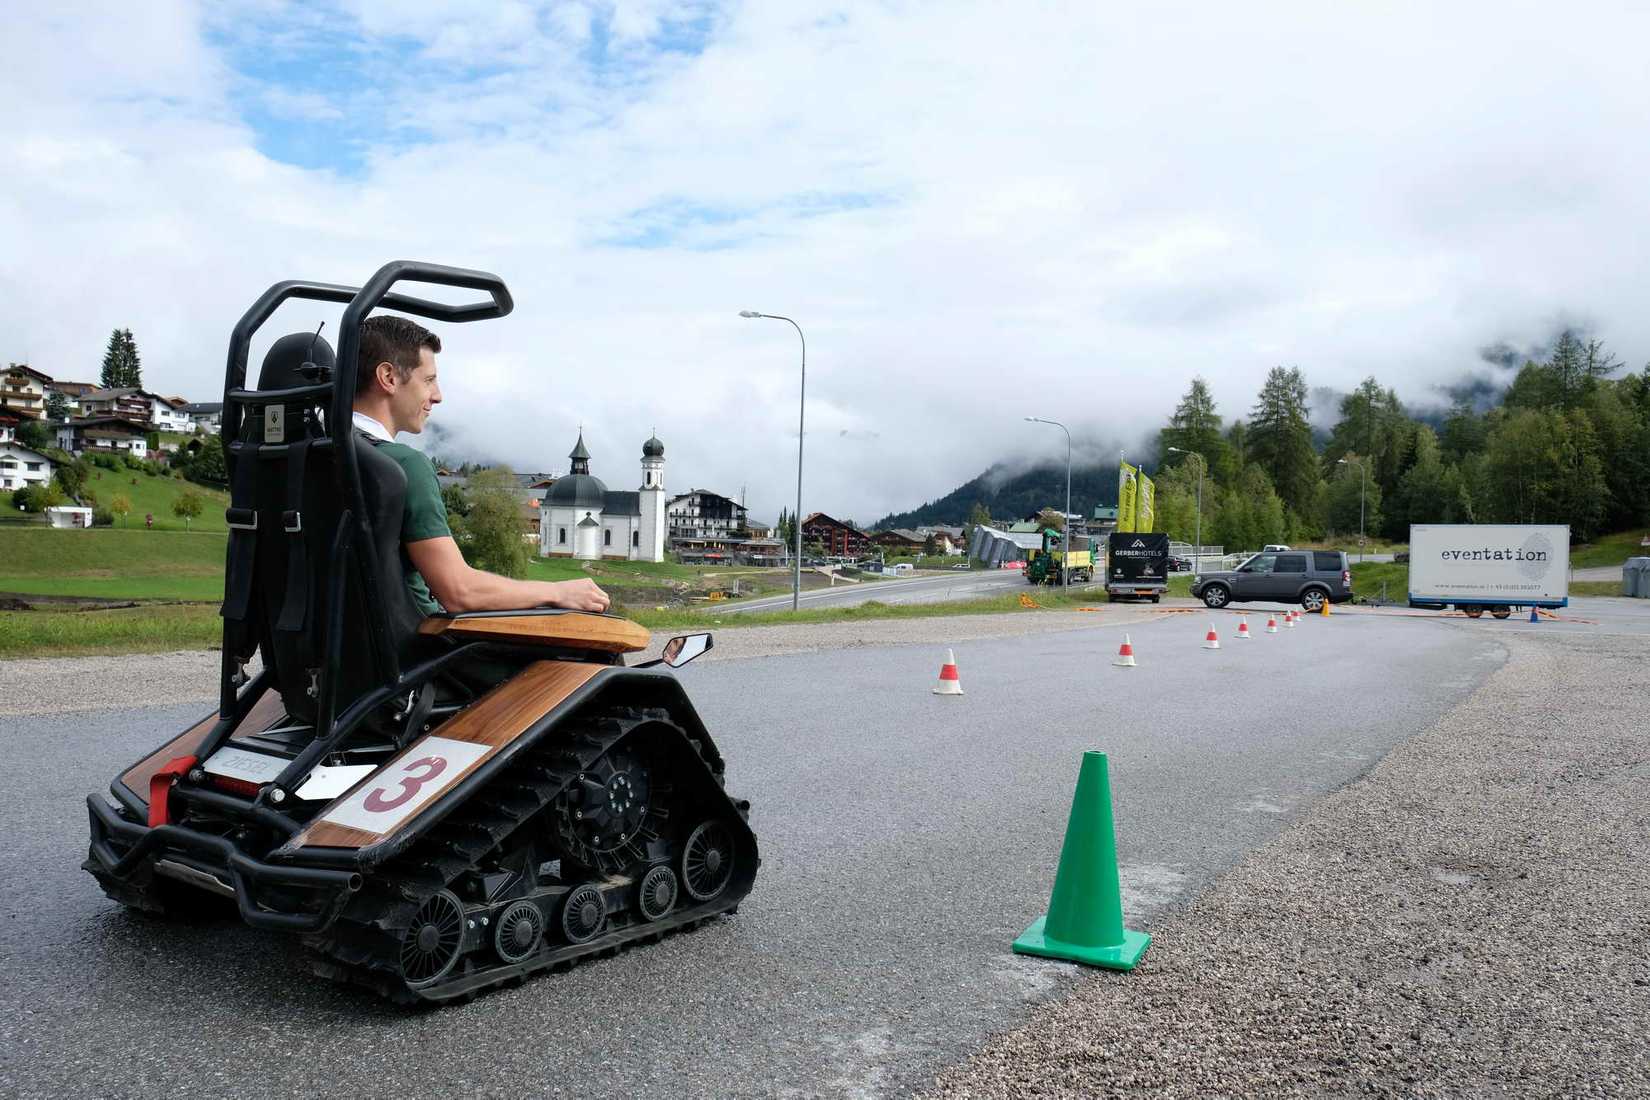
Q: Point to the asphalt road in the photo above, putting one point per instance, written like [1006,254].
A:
[961,585]
[907,838]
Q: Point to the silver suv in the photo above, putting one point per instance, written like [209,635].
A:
[1306,577]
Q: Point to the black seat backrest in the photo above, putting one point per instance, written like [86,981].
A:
[300,507]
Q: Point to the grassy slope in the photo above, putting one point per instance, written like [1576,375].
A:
[1610,549]
[155,495]
[112,563]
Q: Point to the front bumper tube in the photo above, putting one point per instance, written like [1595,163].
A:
[245,874]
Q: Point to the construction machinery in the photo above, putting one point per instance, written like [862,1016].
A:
[436,805]
[1048,565]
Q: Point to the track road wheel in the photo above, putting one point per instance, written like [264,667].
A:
[657,894]
[1501,612]
[583,914]
[1474,612]
[433,941]
[518,932]
[707,861]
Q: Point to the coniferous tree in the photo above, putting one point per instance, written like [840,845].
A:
[134,365]
[1373,424]
[122,367]
[1280,440]
[1464,432]
[113,356]
[1195,426]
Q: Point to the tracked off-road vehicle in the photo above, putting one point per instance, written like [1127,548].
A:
[436,805]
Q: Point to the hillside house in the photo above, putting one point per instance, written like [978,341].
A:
[23,389]
[21,467]
[71,392]
[140,407]
[104,435]
[205,415]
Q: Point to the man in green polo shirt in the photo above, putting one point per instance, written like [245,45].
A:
[395,391]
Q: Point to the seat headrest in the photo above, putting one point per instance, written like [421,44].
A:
[283,364]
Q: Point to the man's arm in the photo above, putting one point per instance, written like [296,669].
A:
[462,588]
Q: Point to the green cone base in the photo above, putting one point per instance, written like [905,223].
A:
[1120,956]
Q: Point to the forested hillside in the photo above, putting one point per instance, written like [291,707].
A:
[1567,442]
[1013,496]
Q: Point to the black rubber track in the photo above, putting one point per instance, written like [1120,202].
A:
[362,947]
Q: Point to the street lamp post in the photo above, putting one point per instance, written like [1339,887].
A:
[1197,537]
[1358,462]
[1065,566]
[802,409]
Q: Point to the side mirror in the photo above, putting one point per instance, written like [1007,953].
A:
[684,648]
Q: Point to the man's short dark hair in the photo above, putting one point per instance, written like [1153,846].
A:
[394,340]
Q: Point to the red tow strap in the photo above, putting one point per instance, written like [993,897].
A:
[160,786]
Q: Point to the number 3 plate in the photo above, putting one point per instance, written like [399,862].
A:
[406,783]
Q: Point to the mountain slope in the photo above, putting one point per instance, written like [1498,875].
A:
[1009,496]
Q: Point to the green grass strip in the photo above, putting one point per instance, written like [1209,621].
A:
[154,629]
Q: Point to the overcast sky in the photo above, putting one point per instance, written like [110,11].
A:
[976,211]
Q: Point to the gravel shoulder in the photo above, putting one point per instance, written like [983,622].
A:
[1470,918]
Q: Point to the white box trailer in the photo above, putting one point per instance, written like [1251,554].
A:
[1495,567]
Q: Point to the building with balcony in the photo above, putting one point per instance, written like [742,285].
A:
[104,435]
[23,389]
[832,538]
[703,514]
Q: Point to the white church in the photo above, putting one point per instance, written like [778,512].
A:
[582,518]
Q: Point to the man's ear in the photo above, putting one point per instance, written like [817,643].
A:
[385,373]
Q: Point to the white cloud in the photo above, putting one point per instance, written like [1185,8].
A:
[1067,213]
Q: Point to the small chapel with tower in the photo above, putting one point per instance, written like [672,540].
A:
[582,518]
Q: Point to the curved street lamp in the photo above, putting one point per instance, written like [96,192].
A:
[1197,554]
[1065,566]
[802,408]
[1359,463]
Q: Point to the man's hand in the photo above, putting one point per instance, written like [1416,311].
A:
[460,588]
[579,595]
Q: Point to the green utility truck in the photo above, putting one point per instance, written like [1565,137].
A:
[1049,566]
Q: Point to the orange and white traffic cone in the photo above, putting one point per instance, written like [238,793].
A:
[1289,620]
[1125,654]
[949,683]
[1272,623]
[1243,629]
[1213,639]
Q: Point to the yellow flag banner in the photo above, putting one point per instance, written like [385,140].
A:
[1126,488]
[1145,508]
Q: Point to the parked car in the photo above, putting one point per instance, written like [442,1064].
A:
[1401,556]
[1273,549]
[1180,565]
[1306,577]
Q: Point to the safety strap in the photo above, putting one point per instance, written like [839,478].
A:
[242,517]
[160,787]
[295,608]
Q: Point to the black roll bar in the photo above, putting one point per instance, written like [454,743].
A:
[358,302]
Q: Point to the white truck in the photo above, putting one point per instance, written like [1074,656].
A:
[1478,567]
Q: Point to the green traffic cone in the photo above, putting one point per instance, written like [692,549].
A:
[1085,914]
